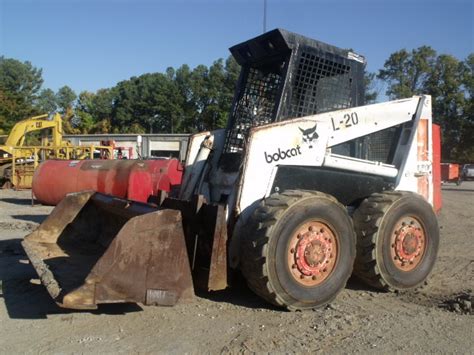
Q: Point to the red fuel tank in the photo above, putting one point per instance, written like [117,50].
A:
[131,179]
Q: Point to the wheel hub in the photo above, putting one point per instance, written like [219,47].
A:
[312,253]
[407,243]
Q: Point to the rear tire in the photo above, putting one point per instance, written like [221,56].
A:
[302,250]
[397,240]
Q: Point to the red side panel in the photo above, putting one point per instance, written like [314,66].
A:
[422,155]
[437,168]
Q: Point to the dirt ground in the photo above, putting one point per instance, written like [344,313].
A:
[361,319]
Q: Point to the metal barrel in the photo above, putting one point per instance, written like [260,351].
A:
[130,179]
[95,249]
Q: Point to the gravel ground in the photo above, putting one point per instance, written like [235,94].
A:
[437,319]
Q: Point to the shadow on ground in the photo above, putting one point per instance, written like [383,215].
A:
[237,294]
[454,189]
[25,300]
[17,201]
[37,218]
[356,284]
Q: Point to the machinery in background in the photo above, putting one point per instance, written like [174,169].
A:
[451,172]
[119,152]
[304,187]
[18,160]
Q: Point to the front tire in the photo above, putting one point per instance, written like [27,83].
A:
[301,254]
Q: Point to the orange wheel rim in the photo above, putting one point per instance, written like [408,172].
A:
[407,243]
[312,253]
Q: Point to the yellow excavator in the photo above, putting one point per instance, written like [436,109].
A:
[18,160]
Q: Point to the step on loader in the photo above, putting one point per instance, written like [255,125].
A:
[304,187]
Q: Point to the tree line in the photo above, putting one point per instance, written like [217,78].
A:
[178,100]
[191,100]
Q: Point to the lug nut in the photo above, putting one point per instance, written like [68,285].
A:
[301,276]
[292,250]
[314,277]
[293,266]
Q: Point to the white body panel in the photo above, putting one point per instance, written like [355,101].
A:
[307,141]
[269,146]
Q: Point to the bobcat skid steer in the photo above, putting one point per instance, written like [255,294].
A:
[305,186]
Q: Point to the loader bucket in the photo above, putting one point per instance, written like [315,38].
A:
[95,249]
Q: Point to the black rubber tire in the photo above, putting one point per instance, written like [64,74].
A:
[264,262]
[374,221]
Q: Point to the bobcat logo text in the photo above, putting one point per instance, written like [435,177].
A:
[282,154]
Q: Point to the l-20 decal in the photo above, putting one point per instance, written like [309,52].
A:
[348,120]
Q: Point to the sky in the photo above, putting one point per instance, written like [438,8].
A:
[89,45]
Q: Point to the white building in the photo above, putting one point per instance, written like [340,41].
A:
[152,145]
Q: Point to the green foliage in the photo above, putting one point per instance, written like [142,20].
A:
[94,111]
[20,83]
[46,101]
[150,102]
[449,82]
[407,72]
[65,98]
[370,90]
[180,100]
[466,140]
[195,99]
[207,93]
[444,85]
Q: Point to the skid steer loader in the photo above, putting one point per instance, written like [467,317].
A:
[305,186]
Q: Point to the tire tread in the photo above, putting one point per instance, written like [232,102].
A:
[254,258]
[367,219]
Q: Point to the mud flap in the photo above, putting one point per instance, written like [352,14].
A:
[96,249]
